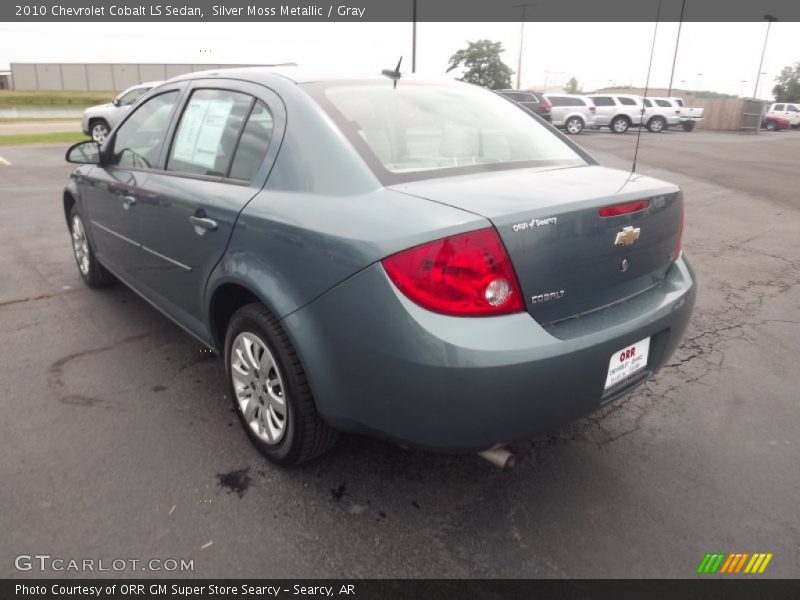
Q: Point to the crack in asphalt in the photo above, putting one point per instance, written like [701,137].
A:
[35,298]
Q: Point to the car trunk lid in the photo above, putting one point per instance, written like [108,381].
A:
[569,259]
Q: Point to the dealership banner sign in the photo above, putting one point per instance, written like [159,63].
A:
[395,10]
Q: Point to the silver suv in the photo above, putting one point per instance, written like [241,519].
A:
[571,112]
[661,114]
[618,112]
[99,120]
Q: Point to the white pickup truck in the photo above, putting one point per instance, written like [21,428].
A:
[788,110]
[689,116]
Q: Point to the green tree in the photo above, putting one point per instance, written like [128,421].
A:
[572,86]
[788,87]
[482,65]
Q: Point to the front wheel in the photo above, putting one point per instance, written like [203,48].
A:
[656,125]
[270,390]
[620,125]
[574,125]
[772,126]
[99,130]
[92,272]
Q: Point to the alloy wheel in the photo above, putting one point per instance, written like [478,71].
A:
[99,132]
[574,126]
[258,387]
[80,245]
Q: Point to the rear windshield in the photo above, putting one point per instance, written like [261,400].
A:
[439,129]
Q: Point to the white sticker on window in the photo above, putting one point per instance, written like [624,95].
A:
[200,131]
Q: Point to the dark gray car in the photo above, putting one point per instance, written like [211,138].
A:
[423,262]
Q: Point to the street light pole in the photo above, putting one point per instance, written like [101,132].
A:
[677,41]
[414,38]
[769,19]
[524,8]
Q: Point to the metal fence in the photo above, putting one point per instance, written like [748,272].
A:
[97,76]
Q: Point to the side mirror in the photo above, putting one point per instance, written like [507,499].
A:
[84,153]
[115,102]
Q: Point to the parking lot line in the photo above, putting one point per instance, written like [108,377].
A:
[5,162]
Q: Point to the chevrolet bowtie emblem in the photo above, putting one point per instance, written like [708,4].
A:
[627,236]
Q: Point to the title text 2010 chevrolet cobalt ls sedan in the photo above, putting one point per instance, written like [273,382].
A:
[418,260]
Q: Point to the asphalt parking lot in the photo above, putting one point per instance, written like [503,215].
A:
[118,440]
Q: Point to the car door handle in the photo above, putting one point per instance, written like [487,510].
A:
[202,224]
[128,201]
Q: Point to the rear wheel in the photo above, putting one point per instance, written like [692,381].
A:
[92,272]
[574,125]
[688,125]
[771,125]
[620,125]
[270,389]
[99,130]
[656,125]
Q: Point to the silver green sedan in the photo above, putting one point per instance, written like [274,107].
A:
[412,259]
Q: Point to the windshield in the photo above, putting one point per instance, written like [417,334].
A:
[418,128]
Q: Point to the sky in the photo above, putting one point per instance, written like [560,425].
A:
[722,57]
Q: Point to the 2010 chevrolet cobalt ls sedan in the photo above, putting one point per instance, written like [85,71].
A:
[418,260]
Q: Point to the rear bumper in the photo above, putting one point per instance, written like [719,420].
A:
[381,365]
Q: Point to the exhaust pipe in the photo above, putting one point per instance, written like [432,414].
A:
[499,456]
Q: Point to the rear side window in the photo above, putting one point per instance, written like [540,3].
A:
[792,108]
[647,103]
[664,103]
[138,141]
[679,102]
[208,132]
[603,100]
[627,101]
[253,144]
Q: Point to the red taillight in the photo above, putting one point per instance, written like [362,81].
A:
[623,209]
[546,105]
[469,274]
[592,109]
[679,243]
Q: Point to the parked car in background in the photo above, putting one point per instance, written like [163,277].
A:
[99,120]
[660,114]
[775,122]
[618,112]
[571,112]
[689,116]
[533,101]
[787,110]
[411,258]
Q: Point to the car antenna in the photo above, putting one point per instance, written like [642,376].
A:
[646,90]
[393,75]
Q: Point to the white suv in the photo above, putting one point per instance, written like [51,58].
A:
[571,112]
[660,114]
[788,111]
[618,112]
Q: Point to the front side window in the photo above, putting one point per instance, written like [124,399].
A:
[558,101]
[664,103]
[137,143]
[425,127]
[208,131]
[627,101]
[779,107]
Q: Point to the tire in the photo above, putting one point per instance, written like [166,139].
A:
[687,125]
[656,125]
[92,272]
[99,129]
[574,125]
[772,125]
[270,391]
[619,124]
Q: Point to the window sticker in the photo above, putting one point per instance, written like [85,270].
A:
[200,131]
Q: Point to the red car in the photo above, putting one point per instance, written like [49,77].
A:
[773,122]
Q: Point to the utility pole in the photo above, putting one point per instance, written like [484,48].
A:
[414,38]
[524,8]
[677,41]
[770,20]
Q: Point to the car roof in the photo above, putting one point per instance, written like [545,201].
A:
[298,75]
